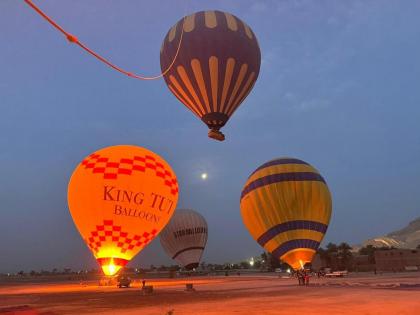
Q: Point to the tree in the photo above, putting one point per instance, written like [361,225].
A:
[368,250]
[332,248]
[332,256]
[345,256]
[244,265]
[272,262]
[322,253]
[264,260]
[257,264]
[217,267]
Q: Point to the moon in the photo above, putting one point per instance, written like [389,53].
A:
[203,176]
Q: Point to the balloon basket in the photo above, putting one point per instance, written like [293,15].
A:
[108,282]
[216,135]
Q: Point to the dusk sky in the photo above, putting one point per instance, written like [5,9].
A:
[338,88]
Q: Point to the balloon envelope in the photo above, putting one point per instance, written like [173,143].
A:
[286,206]
[216,67]
[120,198]
[185,237]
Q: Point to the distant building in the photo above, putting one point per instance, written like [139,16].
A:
[397,259]
[362,263]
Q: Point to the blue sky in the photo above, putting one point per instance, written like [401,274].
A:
[338,88]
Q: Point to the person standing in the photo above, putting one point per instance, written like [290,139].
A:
[300,277]
[306,278]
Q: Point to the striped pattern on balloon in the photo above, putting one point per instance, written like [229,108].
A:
[286,206]
[185,237]
[216,67]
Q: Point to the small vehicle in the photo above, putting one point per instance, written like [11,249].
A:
[124,282]
[337,274]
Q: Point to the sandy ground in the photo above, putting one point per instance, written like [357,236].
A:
[356,294]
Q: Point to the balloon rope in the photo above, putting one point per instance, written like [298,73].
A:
[73,39]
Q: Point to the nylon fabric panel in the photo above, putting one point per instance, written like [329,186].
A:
[244,92]
[184,235]
[112,200]
[190,257]
[282,168]
[293,199]
[285,201]
[217,48]
[292,235]
[295,257]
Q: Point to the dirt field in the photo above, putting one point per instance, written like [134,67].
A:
[355,294]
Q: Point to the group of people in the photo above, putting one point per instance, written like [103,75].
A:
[303,276]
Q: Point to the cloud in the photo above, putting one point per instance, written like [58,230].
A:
[267,58]
[313,104]
[259,6]
[303,104]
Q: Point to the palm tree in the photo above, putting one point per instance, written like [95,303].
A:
[331,255]
[322,253]
[370,251]
[332,248]
[345,256]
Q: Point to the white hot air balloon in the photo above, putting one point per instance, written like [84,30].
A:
[185,237]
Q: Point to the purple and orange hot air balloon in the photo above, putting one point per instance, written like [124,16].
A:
[216,67]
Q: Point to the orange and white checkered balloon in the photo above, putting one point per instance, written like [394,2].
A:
[120,198]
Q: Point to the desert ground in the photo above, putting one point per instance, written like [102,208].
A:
[397,293]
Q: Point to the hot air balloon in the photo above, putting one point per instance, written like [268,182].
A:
[120,198]
[286,207]
[185,237]
[216,67]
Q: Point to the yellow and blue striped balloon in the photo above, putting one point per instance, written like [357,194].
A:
[286,206]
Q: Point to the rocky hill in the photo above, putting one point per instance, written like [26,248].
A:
[408,237]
